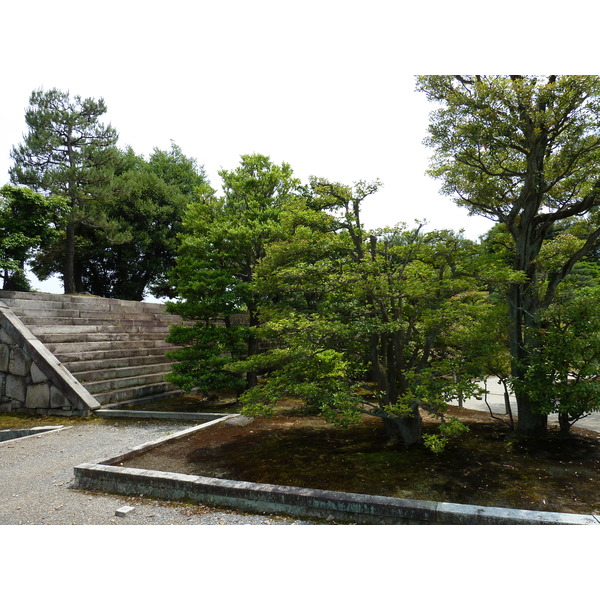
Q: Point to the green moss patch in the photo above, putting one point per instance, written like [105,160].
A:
[484,467]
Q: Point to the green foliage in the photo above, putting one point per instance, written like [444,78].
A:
[564,376]
[69,153]
[361,322]
[323,377]
[28,223]
[148,200]
[127,251]
[208,349]
[176,169]
[224,239]
[449,429]
[484,130]
[523,151]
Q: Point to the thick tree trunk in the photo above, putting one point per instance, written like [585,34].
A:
[405,430]
[565,424]
[529,422]
[523,322]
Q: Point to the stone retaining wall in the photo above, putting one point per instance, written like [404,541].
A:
[31,379]
[23,385]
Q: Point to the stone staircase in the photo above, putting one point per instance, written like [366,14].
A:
[114,348]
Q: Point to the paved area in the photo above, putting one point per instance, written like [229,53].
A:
[36,477]
[495,399]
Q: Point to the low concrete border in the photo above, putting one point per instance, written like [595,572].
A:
[156,414]
[58,375]
[131,452]
[299,502]
[20,434]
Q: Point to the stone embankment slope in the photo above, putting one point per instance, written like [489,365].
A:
[114,348]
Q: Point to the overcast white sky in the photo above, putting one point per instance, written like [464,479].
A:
[325,86]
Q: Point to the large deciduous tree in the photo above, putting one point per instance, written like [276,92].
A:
[523,151]
[359,321]
[68,152]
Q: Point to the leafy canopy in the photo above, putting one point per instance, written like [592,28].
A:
[360,322]
[224,239]
[29,222]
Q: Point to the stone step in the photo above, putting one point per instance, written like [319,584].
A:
[79,317]
[102,327]
[144,400]
[73,347]
[79,367]
[47,304]
[157,390]
[96,306]
[70,359]
[94,303]
[25,314]
[108,385]
[95,337]
[119,373]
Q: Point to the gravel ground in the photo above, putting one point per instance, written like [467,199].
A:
[36,478]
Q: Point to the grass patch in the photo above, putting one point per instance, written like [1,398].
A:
[24,421]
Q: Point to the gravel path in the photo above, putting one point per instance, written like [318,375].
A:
[36,478]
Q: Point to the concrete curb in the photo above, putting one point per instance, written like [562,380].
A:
[299,502]
[156,414]
[20,434]
[307,503]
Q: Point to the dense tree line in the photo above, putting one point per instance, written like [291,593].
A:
[389,323]
[117,236]
[285,292]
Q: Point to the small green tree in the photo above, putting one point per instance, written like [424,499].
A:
[224,240]
[28,223]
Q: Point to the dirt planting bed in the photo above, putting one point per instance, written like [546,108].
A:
[485,467]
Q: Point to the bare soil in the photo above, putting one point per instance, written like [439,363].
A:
[484,467]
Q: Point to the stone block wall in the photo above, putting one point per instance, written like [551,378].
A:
[24,387]
[32,380]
